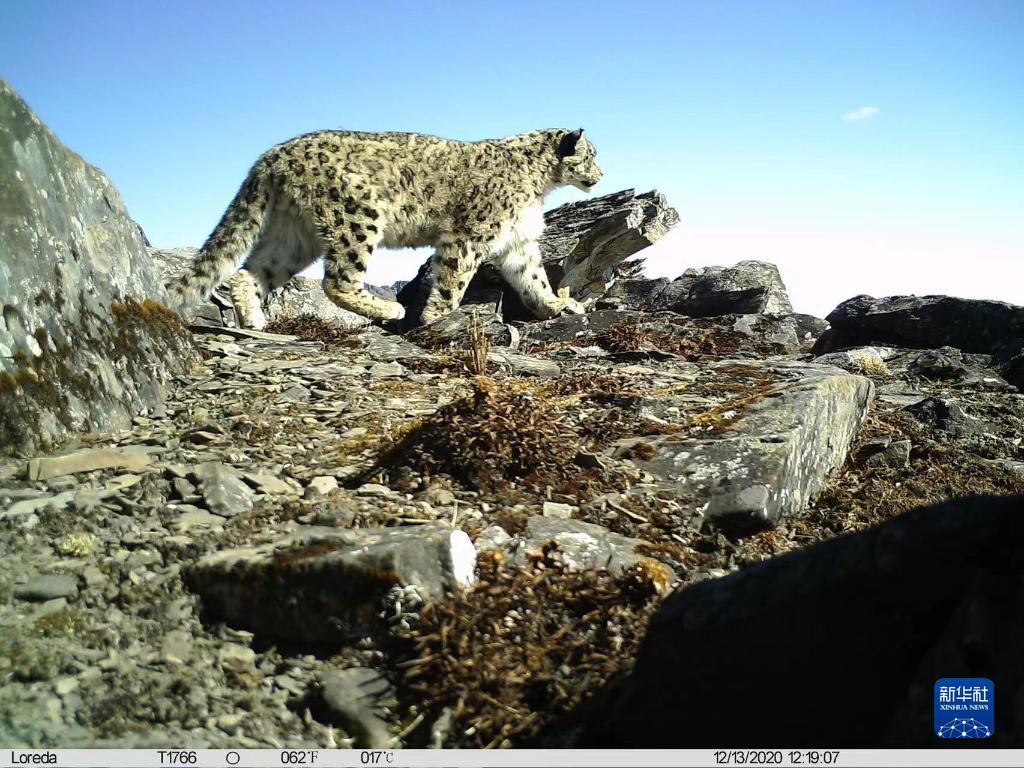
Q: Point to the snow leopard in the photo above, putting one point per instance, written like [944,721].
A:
[342,194]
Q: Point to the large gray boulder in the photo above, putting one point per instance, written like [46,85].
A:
[83,344]
[748,287]
[836,645]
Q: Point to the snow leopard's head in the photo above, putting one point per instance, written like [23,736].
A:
[577,163]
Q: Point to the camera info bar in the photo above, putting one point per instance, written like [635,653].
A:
[535,758]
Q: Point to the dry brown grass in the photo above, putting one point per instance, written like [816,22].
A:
[313,328]
[479,347]
[491,436]
[524,647]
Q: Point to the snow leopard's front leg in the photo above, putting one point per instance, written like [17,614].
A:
[451,269]
[523,269]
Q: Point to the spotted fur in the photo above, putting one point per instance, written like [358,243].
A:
[341,194]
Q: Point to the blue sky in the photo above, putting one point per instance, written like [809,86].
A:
[735,110]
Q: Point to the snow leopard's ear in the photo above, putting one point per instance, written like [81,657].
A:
[567,146]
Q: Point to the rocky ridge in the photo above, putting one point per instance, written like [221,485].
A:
[329,534]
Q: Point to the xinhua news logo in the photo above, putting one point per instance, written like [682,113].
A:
[965,708]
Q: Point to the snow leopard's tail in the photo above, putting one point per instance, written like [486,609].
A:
[233,236]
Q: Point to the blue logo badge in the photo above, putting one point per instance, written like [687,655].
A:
[965,708]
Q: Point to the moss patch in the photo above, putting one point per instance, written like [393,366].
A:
[41,389]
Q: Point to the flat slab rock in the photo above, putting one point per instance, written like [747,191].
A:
[768,454]
[321,585]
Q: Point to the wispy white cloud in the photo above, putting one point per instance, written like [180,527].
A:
[861,113]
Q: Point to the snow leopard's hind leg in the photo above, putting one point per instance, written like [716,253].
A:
[452,267]
[349,233]
[286,246]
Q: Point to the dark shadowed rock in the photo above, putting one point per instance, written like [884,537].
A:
[634,293]
[1013,371]
[926,322]
[884,452]
[354,699]
[837,645]
[947,415]
[80,345]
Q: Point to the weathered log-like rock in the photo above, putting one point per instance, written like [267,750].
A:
[82,343]
[839,644]
[584,246]
[926,322]
[323,585]
[768,452]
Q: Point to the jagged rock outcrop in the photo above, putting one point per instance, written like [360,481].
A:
[748,287]
[845,639]
[82,343]
[585,245]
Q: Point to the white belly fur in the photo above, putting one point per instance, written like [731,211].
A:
[529,227]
